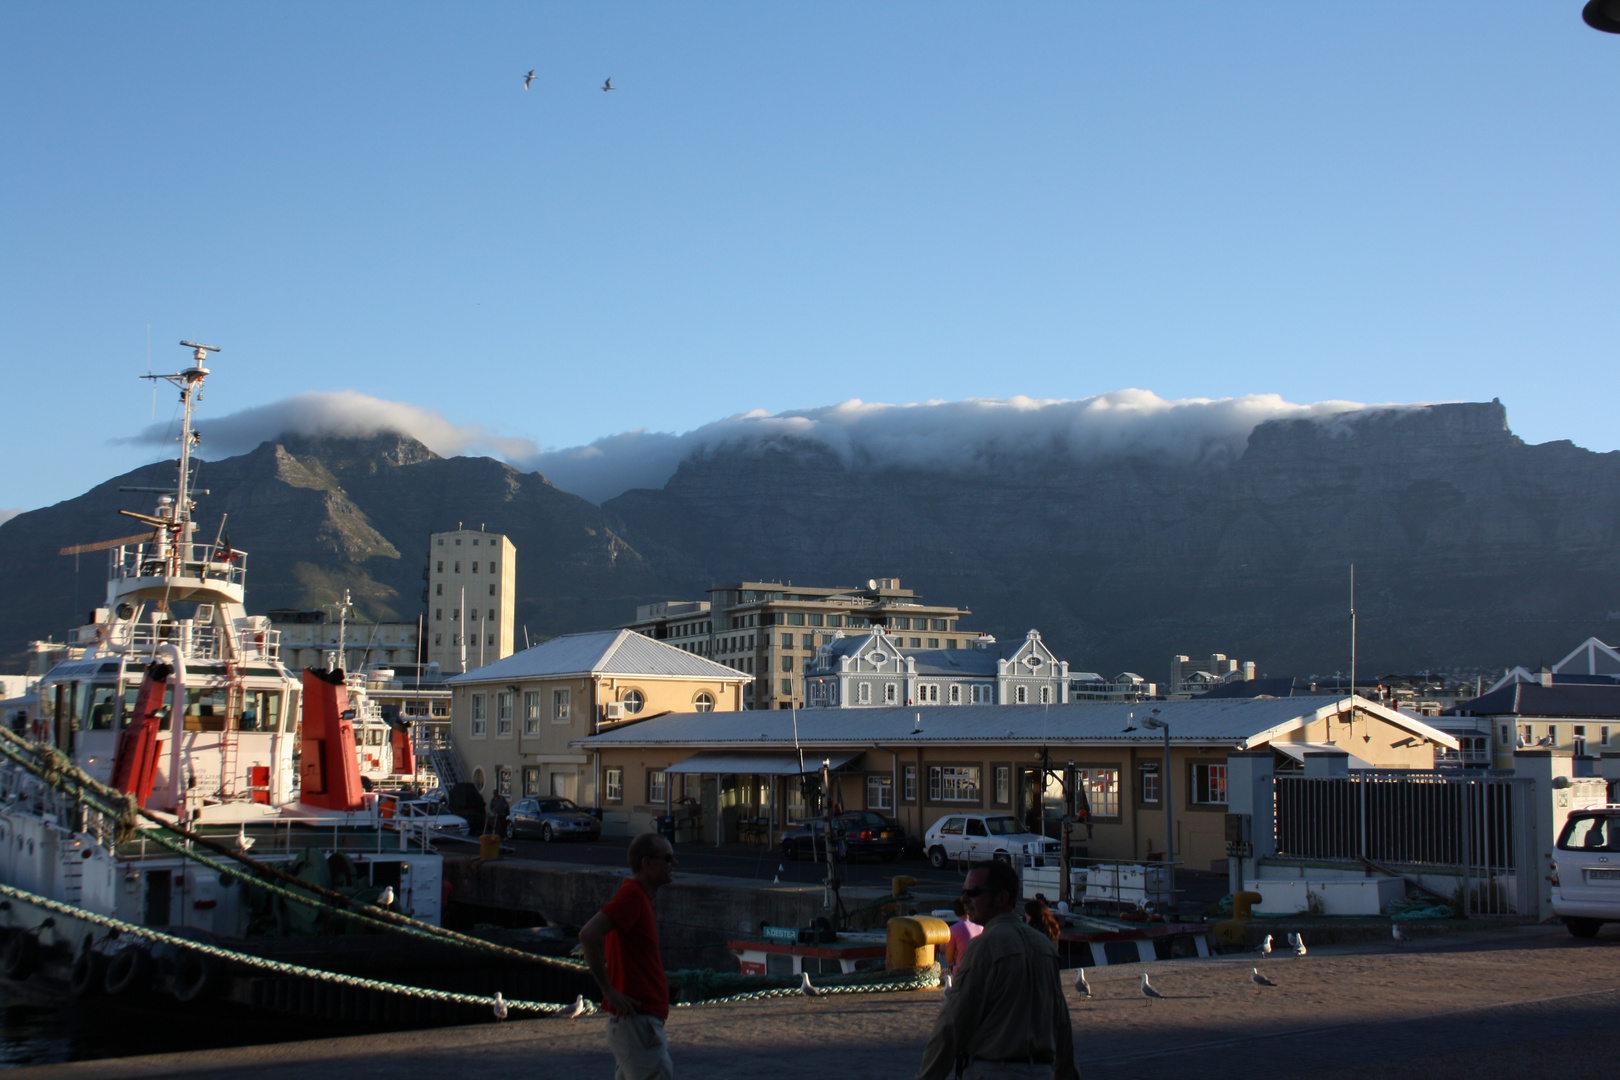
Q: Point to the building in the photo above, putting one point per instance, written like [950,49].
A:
[1188,680]
[767,629]
[1577,718]
[875,669]
[309,638]
[1126,686]
[512,720]
[471,597]
[743,772]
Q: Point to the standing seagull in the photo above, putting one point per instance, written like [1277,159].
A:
[578,1009]
[529,78]
[1298,942]
[1400,935]
[804,985]
[500,1007]
[386,900]
[945,982]
[1081,985]
[1259,979]
[607,85]
[1264,948]
[1147,990]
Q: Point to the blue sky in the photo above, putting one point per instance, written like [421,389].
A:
[788,206]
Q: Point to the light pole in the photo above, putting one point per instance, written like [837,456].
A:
[1154,723]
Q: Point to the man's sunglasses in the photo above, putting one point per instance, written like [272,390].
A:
[971,893]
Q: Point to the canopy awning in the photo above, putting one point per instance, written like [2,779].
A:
[1298,750]
[764,763]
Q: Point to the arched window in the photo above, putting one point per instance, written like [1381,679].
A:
[478,780]
[704,702]
[634,702]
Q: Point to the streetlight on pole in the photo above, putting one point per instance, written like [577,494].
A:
[1154,723]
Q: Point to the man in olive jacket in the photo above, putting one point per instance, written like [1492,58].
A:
[1006,1016]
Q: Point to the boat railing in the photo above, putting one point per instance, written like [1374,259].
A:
[205,562]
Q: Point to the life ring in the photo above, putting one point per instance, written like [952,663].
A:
[195,976]
[129,970]
[22,956]
[89,976]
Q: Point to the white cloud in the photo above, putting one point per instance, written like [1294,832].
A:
[961,434]
[7,515]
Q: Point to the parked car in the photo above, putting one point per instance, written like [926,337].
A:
[864,833]
[550,818]
[463,799]
[1586,870]
[976,837]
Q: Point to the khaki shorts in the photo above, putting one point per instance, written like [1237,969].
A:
[640,1048]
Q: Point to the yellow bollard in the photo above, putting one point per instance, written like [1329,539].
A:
[489,847]
[1231,931]
[911,940]
[901,884]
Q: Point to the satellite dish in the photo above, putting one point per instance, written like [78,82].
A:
[871,583]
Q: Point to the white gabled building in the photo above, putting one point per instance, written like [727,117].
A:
[874,670]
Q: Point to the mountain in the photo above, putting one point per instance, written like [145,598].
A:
[1472,549]
[318,515]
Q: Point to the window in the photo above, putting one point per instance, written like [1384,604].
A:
[658,787]
[438,614]
[953,783]
[787,663]
[1046,695]
[983,694]
[1208,783]
[954,826]
[560,702]
[787,641]
[1605,736]
[809,641]
[863,693]
[492,593]
[1021,695]
[815,620]
[835,620]
[879,791]
[1096,791]
[916,642]
[787,686]
[491,639]
[438,590]
[531,712]
[1552,734]
[612,784]
[928,694]
[1003,784]
[479,720]
[494,568]
[634,701]
[704,702]
[890,693]
[473,614]
[956,693]
[503,714]
[902,624]
[1580,740]
[478,779]
[438,639]
[933,643]
[1150,784]
[908,782]
[1507,735]
[531,780]
[475,568]
[504,776]
[795,618]
[457,567]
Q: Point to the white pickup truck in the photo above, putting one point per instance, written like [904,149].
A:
[1586,870]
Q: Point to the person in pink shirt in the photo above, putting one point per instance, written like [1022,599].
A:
[963,930]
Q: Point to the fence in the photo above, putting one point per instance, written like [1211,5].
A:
[1478,829]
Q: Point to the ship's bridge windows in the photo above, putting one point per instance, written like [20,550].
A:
[102,710]
[261,710]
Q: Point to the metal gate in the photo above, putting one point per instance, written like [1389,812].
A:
[1478,829]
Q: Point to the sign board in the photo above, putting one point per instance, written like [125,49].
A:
[780,933]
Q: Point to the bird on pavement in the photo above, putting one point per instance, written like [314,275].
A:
[500,1006]
[1080,983]
[945,982]
[1298,942]
[1147,990]
[386,899]
[578,1009]
[529,78]
[804,985]
[1264,948]
[1259,979]
[607,85]
[1399,934]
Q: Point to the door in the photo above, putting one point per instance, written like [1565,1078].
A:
[978,840]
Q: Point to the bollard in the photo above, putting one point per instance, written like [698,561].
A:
[1231,931]
[489,847]
[911,940]
[901,884]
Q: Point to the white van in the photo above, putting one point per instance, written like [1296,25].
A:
[1586,870]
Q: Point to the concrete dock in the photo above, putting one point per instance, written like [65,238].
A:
[1514,1002]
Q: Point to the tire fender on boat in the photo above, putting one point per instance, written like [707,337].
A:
[89,976]
[129,970]
[21,957]
[196,976]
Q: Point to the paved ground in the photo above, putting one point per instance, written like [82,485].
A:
[1508,1003]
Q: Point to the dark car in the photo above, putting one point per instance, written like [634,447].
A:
[551,818]
[863,833]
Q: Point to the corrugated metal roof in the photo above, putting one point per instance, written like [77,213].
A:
[770,763]
[1229,721]
[1584,700]
[601,652]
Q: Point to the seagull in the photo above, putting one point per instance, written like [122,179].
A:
[1298,942]
[1259,979]
[945,982]
[1080,983]
[804,985]
[1264,948]
[1399,934]
[529,78]
[578,1009]
[387,897]
[244,842]
[607,85]
[1147,990]
[500,1007]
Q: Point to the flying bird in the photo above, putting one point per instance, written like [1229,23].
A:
[1080,983]
[1298,942]
[1398,933]
[1259,979]
[500,1006]
[607,85]
[804,985]
[387,897]
[578,1009]
[529,78]
[1264,948]
[1147,990]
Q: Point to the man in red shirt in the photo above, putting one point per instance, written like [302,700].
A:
[621,947]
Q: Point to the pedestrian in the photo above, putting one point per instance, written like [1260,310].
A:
[963,930]
[1006,1015]
[1038,915]
[621,947]
[498,808]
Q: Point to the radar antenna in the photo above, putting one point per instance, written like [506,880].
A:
[190,382]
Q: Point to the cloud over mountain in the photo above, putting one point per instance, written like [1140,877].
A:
[966,434]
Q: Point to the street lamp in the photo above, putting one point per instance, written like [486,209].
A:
[1153,722]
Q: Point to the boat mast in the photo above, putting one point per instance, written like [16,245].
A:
[190,383]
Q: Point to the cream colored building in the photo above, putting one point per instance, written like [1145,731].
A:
[512,720]
[471,598]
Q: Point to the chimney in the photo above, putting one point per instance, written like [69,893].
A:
[1545,676]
